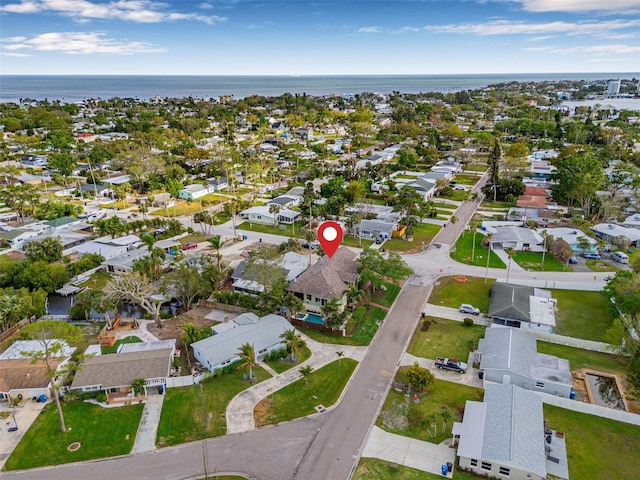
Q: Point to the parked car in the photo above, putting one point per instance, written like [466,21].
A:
[466,308]
[379,240]
[620,257]
[573,260]
[451,364]
[459,187]
[189,246]
[592,256]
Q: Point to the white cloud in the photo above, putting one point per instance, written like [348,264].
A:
[13,54]
[507,27]
[139,11]
[578,5]
[540,38]
[606,49]
[74,43]
[372,29]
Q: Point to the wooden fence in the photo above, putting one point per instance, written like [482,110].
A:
[16,328]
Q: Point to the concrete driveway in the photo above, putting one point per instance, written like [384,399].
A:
[425,456]
[25,415]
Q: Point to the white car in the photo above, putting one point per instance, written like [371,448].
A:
[467,308]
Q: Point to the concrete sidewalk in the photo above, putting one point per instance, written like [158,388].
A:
[25,415]
[409,452]
[148,427]
[239,412]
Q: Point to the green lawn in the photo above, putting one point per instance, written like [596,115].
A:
[97,280]
[450,293]
[368,326]
[6,262]
[102,432]
[351,241]
[386,298]
[286,230]
[395,414]
[181,420]
[597,447]
[422,234]
[600,266]
[376,469]
[285,364]
[436,337]
[489,204]
[463,251]
[582,314]
[580,358]
[300,399]
[532,261]
[114,349]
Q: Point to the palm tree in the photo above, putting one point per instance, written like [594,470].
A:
[340,354]
[445,414]
[353,295]
[247,356]
[509,251]
[474,226]
[310,236]
[294,343]
[545,242]
[138,386]
[305,372]
[486,275]
[274,209]
[408,200]
[216,242]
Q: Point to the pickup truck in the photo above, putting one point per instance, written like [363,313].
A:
[451,364]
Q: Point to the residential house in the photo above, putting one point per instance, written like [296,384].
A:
[261,214]
[218,183]
[21,378]
[505,436]
[632,221]
[124,263]
[95,189]
[117,179]
[195,191]
[609,231]
[329,278]
[115,373]
[533,199]
[509,356]
[521,306]
[291,265]
[34,161]
[573,237]
[374,229]
[520,239]
[223,349]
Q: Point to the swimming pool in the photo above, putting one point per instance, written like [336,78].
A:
[311,318]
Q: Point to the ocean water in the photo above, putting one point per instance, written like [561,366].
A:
[79,87]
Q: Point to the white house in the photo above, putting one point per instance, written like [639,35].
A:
[261,214]
[223,349]
[196,190]
[572,236]
[609,231]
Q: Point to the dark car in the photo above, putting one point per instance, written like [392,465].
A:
[592,256]
[573,260]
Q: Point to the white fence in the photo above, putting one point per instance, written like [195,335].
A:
[574,342]
[186,380]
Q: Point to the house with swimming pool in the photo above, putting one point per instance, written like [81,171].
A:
[329,278]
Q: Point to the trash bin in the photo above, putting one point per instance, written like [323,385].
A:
[449,467]
[445,470]
[244,237]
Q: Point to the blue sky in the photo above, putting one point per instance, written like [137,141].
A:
[298,37]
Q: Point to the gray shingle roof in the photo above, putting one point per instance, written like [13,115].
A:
[121,369]
[514,428]
[510,301]
[329,277]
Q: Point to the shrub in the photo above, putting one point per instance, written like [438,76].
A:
[101,397]
[468,322]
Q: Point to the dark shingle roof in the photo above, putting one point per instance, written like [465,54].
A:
[329,277]
[510,301]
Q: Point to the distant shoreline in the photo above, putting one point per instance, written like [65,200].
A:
[73,88]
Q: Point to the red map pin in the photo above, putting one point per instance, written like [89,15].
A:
[330,237]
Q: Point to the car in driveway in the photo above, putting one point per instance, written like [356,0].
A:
[468,308]
[573,260]
[592,256]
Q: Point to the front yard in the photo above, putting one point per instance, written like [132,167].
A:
[376,469]
[464,252]
[436,337]
[453,290]
[181,419]
[402,416]
[423,234]
[597,447]
[532,261]
[366,328]
[101,432]
[300,398]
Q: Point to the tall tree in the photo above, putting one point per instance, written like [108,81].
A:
[47,250]
[408,201]
[137,289]
[494,167]
[294,343]
[52,337]
[247,354]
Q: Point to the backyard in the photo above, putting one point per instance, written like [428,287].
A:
[402,416]
[300,398]
[101,432]
[583,314]
[436,337]
[451,291]
[114,348]
[597,447]
[366,321]
[182,419]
